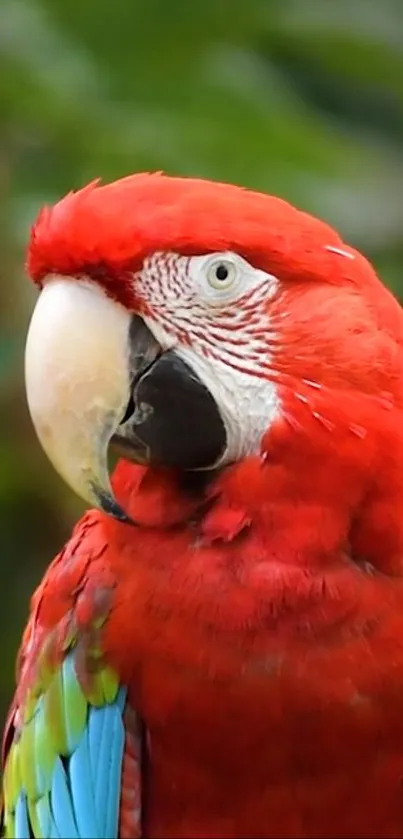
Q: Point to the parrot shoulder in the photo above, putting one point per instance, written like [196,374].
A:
[71,750]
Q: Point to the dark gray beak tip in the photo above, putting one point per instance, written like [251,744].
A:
[108,505]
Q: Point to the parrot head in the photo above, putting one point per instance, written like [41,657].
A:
[193,324]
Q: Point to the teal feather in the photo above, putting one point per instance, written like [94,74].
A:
[43,815]
[95,731]
[62,804]
[110,756]
[21,818]
[82,790]
[117,741]
[54,833]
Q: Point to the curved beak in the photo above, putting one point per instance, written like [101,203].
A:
[78,382]
[95,374]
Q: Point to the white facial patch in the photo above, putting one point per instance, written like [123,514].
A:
[214,311]
[248,404]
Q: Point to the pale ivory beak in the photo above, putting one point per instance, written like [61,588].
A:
[78,382]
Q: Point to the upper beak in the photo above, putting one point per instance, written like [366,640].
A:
[78,378]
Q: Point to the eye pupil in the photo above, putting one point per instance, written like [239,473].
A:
[221,272]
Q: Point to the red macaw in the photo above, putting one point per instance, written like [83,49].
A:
[218,650]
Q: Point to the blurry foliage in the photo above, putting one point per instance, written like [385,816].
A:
[303,99]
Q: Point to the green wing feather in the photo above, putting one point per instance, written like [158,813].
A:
[55,754]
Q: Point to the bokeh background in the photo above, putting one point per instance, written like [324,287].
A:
[303,98]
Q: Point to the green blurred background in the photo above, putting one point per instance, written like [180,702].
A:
[303,98]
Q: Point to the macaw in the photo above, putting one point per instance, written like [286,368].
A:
[218,649]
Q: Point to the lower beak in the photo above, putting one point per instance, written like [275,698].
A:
[95,374]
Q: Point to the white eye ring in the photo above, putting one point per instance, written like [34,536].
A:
[221,274]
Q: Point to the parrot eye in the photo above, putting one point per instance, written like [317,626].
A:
[221,274]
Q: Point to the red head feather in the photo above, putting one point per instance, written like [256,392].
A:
[105,231]
[117,225]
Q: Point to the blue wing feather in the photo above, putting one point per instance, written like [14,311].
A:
[85,802]
[112,760]
[73,796]
[21,818]
[82,790]
[62,804]
[105,782]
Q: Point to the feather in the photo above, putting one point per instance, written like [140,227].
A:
[63,771]
[21,818]
[62,805]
